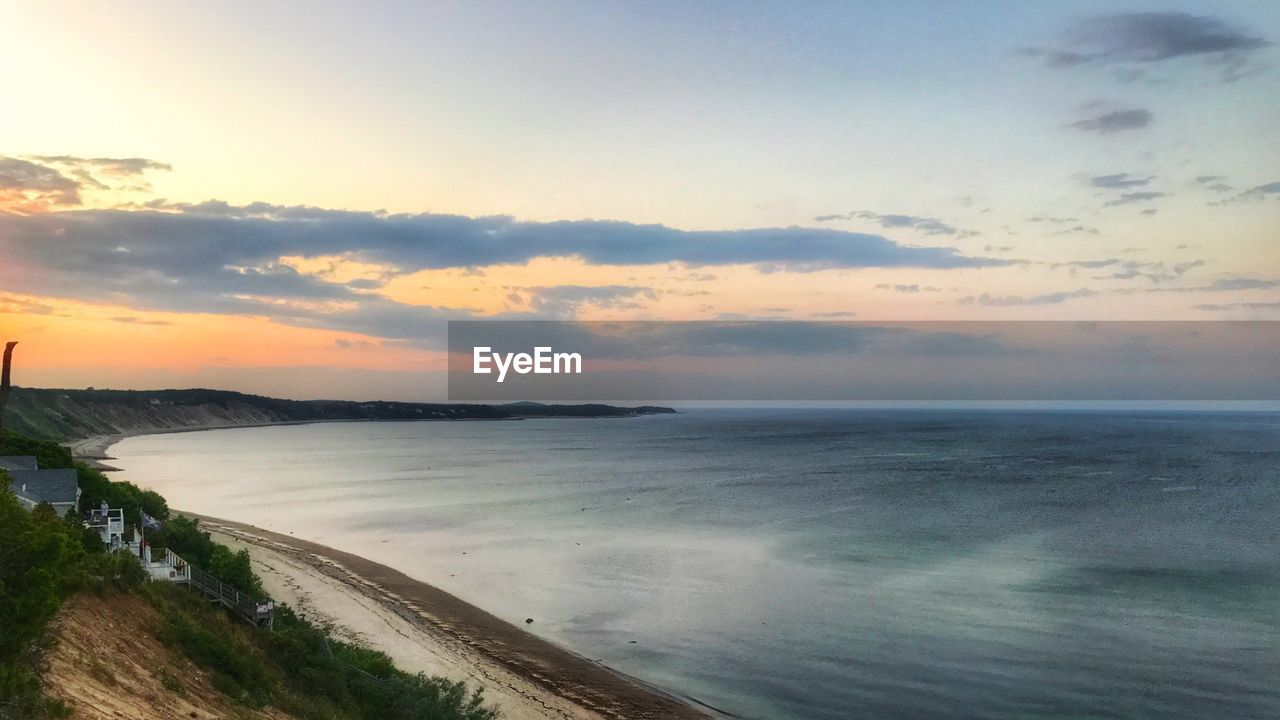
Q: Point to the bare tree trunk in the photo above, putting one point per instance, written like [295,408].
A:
[4,378]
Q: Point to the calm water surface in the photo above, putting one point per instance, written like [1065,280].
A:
[806,565]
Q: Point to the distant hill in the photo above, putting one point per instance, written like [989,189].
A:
[70,414]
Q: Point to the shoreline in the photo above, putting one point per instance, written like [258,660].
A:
[92,450]
[426,629]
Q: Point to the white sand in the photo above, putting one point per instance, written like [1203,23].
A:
[359,611]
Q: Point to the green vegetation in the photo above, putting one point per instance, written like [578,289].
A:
[43,559]
[94,485]
[297,667]
[184,536]
[300,669]
[40,563]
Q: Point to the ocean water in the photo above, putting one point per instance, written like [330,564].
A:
[816,564]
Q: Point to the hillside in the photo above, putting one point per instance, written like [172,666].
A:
[67,414]
[106,663]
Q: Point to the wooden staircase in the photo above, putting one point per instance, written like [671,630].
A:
[259,613]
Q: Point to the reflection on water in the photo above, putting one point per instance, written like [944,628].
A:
[817,564]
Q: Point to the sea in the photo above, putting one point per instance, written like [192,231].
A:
[816,564]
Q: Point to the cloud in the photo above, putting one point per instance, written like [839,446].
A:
[213,237]
[1243,283]
[1014,300]
[1254,194]
[43,182]
[218,258]
[27,185]
[1114,122]
[736,337]
[1135,197]
[1156,272]
[908,289]
[1238,306]
[1077,229]
[1268,189]
[1214,183]
[132,320]
[120,167]
[1234,284]
[926,225]
[23,306]
[1131,40]
[1088,264]
[347,343]
[564,301]
[1120,181]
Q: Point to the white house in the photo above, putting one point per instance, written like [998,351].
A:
[110,526]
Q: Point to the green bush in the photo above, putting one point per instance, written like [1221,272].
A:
[49,454]
[96,488]
[184,536]
[41,562]
[298,668]
[237,671]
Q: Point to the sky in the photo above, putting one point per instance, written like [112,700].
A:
[293,198]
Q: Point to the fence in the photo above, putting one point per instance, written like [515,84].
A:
[259,613]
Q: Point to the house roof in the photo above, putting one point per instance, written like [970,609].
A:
[18,462]
[52,486]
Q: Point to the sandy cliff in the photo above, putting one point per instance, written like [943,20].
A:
[107,664]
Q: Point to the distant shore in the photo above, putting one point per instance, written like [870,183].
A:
[426,629]
[93,450]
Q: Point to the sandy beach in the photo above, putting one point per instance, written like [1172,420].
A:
[425,629]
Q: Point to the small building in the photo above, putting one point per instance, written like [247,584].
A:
[33,486]
[164,564]
[109,524]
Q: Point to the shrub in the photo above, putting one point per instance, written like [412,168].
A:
[41,562]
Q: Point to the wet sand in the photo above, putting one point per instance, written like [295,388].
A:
[426,629]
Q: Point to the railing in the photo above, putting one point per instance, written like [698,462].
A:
[169,566]
[257,612]
[96,518]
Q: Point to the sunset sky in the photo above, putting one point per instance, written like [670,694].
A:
[292,198]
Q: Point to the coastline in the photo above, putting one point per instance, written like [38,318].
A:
[92,450]
[423,628]
[426,629]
